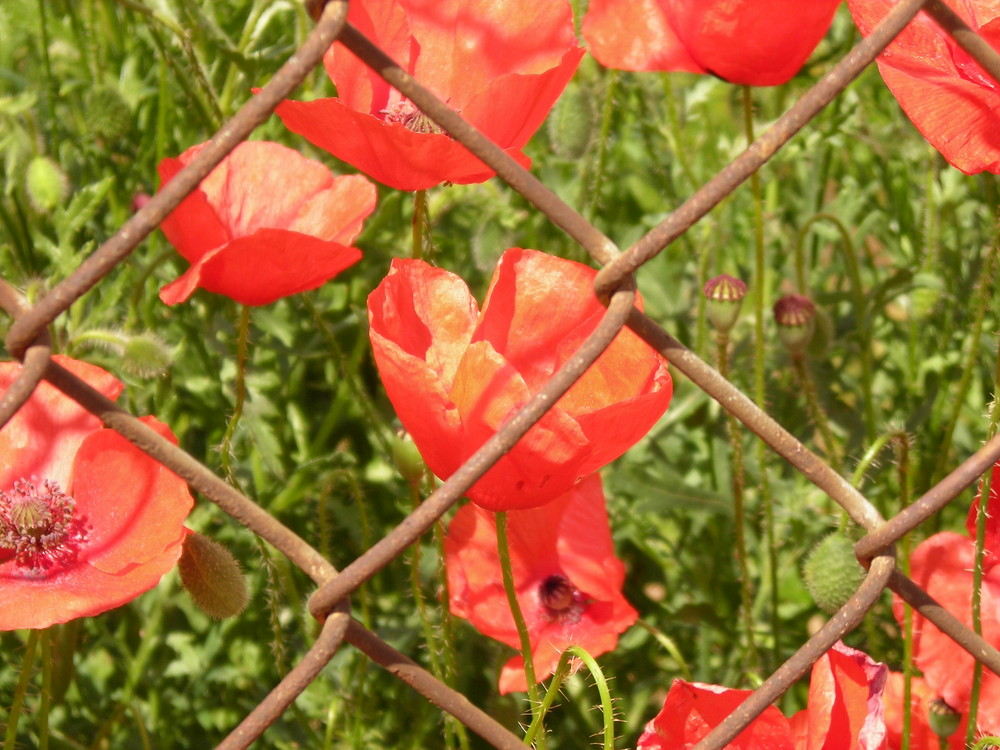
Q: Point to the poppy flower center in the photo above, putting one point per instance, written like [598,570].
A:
[406,112]
[561,599]
[38,528]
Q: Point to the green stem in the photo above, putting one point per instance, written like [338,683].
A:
[760,389]
[739,511]
[593,185]
[418,594]
[562,669]
[985,292]
[817,412]
[850,254]
[14,715]
[417,223]
[977,568]
[243,336]
[45,701]
[507,572]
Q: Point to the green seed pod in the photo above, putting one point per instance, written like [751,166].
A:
[832,573]
[795,315]
[46,184]
[212,577]
[407,458]
[724,295]
[108,114]
[942,718]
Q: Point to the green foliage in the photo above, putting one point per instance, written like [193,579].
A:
[313,446]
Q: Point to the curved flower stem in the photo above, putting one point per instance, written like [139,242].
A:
[14,715]
[817,412]
[417,224]
[984,742]
[982,306]
[669,646]
[739,511]
[425,620]
[850,255]
[240,388]
[760,390]
[901,444]
[562,669]
[522,629]
[977,569]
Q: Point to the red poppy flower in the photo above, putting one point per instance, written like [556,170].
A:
[502,65]
[844,711]
[947,95]
[922,737]
[567,578]
[266,223]
[942,565]
[741,41]
[87,520]
[455,374]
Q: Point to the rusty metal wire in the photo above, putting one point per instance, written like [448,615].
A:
[27,340]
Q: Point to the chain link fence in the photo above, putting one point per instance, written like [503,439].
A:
[28,341]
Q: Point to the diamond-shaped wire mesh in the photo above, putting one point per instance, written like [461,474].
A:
[27,340]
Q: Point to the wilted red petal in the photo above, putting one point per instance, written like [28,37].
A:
[950,99]
[942,565]
[845,702]
[539,309]
[569,540]
[741,41]
[264,224]
[692,709]
[921,736]
[500,65]
[128,514]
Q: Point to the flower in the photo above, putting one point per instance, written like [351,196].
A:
[946,94]
[87,520]
[844,711]
[922,737]
[455,374]
[741,41]
[942,565]
[265,223]
[566,575]
[500,65]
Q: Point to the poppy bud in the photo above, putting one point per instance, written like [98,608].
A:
[409,463]
[795,315]
[832,573]
[46,184]
[725,298]
[571,125]
[942,718]
[212,577]
[108,114]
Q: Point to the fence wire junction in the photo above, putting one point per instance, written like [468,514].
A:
[28,341]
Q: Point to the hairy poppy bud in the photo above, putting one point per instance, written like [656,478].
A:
[212,577]
[46,184]
[832,573]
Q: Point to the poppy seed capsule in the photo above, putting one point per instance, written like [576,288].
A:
[832,573]
[795,315]
[725,298]
[409,463]
[942,718]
